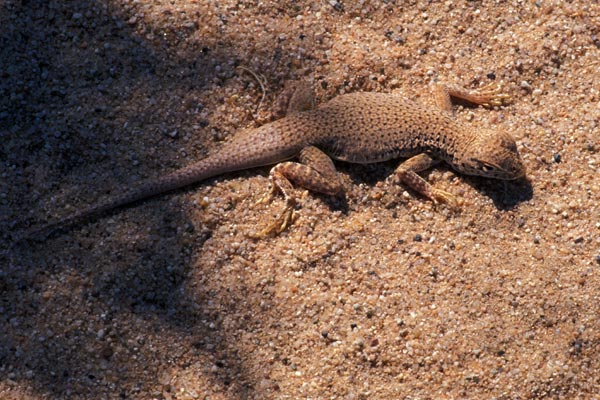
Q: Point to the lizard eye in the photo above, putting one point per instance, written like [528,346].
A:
[484,166]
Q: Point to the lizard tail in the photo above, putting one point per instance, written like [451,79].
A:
[203,169]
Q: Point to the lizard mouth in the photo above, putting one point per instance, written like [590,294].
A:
[513,175]
[492,170]
[519,172]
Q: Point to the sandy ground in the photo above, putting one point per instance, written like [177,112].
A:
[382,295]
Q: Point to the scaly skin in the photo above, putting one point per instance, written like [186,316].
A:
[357,128]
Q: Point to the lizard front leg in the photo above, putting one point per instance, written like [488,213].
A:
[314,171]
[407,174]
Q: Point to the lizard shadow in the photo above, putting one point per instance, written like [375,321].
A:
[506,195]
[367,174]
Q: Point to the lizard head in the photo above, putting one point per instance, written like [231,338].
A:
[491,154]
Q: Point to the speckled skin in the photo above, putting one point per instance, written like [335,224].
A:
[357,128]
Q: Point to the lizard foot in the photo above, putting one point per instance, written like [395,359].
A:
[441,196]
[279,225]
[267,197]
[491,96]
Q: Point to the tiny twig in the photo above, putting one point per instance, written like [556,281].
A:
[260,79]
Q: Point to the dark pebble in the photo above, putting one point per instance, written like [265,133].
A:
[417,238]
[107,352]
[337,6]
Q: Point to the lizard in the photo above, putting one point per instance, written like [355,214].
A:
[361,127]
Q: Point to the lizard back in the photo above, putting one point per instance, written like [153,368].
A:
[375,127]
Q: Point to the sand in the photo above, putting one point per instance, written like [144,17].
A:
[382,295]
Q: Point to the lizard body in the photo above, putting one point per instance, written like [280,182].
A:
[357,128]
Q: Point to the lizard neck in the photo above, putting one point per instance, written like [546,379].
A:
[446,139]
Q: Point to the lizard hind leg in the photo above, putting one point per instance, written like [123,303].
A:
[279,183]
[314,171]
[297,96]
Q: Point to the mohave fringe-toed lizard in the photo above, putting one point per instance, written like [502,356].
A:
[357,128]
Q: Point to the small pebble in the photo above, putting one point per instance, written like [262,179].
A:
[525,85]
